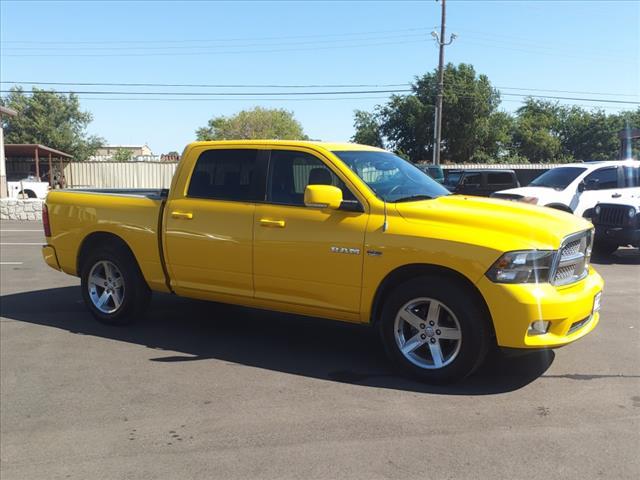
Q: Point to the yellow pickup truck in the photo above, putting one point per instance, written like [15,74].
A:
[340,231]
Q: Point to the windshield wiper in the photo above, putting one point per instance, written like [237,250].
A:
[412,198]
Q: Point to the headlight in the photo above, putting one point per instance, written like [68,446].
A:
[631,212]
[526,266]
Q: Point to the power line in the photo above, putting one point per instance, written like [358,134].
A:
[241,99]
[228,52]
[225,94]
[230,45]
[225,39]
[322,93]
[209,85]
[334,85]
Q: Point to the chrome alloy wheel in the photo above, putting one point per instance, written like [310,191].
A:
[427,333]
[106,286]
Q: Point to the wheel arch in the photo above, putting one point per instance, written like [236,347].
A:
[28,192]
[95,239]
[407,272]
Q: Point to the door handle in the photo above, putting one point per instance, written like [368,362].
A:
[183,215]
[272,223]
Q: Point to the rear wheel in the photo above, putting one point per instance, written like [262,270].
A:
[113,287]
[433,329]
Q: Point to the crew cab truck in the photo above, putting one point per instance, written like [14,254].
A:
[340,231]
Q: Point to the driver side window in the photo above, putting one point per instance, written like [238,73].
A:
[291,171]
[602,179]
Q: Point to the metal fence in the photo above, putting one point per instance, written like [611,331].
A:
[159,174]
[120,174]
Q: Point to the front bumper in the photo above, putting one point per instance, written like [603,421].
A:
[50,257]
[618,235]
[514,308]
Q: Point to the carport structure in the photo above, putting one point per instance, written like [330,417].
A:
[25,151]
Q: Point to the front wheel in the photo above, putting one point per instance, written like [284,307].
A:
[113,287]
[434,329]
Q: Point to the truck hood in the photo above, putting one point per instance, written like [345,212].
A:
[482,220]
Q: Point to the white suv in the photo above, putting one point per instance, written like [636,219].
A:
[578,187]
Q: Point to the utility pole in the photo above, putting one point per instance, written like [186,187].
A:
[440,39]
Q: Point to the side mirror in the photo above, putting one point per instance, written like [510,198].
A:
[323,196]
[581,187]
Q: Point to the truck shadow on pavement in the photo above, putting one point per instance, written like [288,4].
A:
[326,350]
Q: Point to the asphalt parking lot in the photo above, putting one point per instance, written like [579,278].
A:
[204,391]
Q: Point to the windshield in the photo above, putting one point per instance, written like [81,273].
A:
[390,177]
[557,178]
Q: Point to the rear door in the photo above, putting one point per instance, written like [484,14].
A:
[209,227]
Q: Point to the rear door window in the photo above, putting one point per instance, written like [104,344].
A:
[290,172]
[228,174]
[499,178]
[602,179]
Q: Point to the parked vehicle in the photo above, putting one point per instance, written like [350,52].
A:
[341,231]
[481,183]
[578,187]
[30,187]
[617,224]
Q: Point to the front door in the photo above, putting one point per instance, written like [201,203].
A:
[307,256]
[209,228]
[600,186]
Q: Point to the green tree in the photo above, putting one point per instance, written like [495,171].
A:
[367,129]
[259,123]
[469,116]
[537,132]
[51,119]
[407,125]
[122,155]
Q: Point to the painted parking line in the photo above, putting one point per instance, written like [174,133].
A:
[18,230]
[11,263]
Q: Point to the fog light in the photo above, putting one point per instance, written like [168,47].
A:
[539,327]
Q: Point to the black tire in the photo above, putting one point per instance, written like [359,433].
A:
[472,322]
[135,295]
[602,248]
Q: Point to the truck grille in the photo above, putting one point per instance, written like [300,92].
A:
[572,259]
[612,215]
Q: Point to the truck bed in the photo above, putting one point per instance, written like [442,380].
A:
[134,215]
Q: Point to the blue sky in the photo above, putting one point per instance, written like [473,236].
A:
[577,46]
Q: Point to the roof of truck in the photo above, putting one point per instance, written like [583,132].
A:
[331,146]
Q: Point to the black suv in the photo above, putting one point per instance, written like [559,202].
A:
[480,182]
